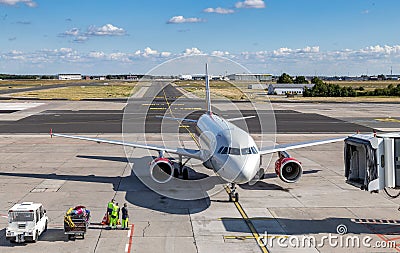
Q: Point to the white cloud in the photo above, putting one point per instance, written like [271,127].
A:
[165,54]
[192,51]
[98,55]
[296,61]
[182,19]
[29,3]
[219,10]
[80,39]
[220,53]
[256,4]
[106,30]
[148,52]
[72,32]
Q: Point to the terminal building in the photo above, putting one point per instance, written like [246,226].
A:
[251,77]
[69,77]
[288,88]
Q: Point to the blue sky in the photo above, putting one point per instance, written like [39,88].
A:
[272,36]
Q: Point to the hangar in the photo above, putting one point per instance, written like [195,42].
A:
[69,77]
[288,88]
[251,77]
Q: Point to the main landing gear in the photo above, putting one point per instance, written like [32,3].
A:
[233,195]
[182,171]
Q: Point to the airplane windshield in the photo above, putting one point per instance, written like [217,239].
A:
[237,151]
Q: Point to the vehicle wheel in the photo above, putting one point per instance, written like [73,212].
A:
[13,241]
[83,236]
[45,227]
[176,173]
[230,197]
[185,174]
[69,237]
[237,197]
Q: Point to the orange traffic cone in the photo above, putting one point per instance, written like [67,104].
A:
[105,220]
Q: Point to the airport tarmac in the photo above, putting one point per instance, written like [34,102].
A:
[61,173]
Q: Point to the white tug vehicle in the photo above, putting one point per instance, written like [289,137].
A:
[26,222]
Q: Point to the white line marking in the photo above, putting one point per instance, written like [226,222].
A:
[129,233]
[4,216]
[126,247]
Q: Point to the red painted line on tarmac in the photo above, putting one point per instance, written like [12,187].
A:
[131,238]
[384,238]
[381,236]
[394,239]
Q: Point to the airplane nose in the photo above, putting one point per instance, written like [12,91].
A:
[246,170]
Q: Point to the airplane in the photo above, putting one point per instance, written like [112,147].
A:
[229,151]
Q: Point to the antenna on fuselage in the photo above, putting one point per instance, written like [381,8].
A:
[208,95]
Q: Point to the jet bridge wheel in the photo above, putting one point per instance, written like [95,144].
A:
[176,173]
[185,174]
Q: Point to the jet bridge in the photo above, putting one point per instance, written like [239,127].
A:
[372,161]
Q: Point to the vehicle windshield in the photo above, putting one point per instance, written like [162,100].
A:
[21,216]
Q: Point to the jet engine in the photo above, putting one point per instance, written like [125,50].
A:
[287,168]
[161,170]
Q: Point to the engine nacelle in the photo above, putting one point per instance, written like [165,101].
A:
[288,169]
[161,170]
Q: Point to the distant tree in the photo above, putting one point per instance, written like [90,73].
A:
[285,78]
[300,80]
[316,80]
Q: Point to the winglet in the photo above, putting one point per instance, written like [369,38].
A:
[208,95]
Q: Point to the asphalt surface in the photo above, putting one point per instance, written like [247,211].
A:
[142,115]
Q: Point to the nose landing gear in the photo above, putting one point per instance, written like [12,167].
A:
[233,195]
[182,171]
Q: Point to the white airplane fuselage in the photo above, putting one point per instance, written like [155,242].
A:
[227,149]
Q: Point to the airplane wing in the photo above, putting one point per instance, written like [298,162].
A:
[192,153]
[284,147]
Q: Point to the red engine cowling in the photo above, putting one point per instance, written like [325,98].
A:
[288,169]
[161,170]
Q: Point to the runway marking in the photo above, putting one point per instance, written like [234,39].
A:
[249,224]
[180,123]
[4,216]
[128,246]
[388,120]
[255,218]
[245,237]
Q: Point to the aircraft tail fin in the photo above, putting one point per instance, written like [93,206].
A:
[208,95]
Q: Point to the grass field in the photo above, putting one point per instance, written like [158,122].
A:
[218,89]
[367,85]
[80,92]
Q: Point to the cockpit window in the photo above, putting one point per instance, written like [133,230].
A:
[246,151]
[234,151]
[237,151]
[224,150]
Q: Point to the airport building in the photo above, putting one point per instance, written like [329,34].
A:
[69,77]
[288,88]
[251,77]
[257,86]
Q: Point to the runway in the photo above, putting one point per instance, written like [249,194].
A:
[110,121]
